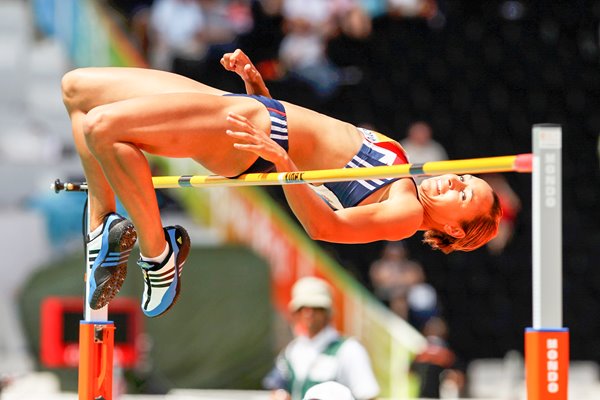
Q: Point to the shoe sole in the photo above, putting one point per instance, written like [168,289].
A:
[121,237]
[184,251]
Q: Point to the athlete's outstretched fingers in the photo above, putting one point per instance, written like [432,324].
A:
[227,62]
[244,124]
[253,139]
[243,136]
[246,141]
[245,131]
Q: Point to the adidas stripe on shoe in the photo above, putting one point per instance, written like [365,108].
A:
[162,282]
[107,255]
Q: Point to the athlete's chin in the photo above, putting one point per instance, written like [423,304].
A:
[426,190]
[426,201]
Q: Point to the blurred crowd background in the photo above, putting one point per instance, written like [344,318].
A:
[459,79]
[450,80]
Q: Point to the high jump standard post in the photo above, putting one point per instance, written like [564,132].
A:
[96,345]
[96,333]
[547,341]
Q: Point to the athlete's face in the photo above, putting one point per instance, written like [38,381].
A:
[451,199]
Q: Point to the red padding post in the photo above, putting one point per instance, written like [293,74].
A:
[96,349]
[547,363]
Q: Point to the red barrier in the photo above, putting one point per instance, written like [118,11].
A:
[60,319]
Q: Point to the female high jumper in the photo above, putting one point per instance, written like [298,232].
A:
[118,114]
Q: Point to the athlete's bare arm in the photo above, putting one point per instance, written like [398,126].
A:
[240,63]
[397,217]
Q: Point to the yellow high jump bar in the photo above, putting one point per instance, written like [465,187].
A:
[515,163]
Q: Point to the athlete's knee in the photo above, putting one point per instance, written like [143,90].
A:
[70,86]
[96,126]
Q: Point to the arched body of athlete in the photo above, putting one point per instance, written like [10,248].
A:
[118,114]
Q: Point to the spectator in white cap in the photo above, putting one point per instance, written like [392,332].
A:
[319,353]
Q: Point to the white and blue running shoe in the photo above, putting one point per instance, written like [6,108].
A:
[162,282]
[107,254]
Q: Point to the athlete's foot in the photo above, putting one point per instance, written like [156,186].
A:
[107,254]
[162,281]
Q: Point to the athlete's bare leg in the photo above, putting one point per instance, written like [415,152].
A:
[189,124]
[101,197]
[89,88]
[86,88]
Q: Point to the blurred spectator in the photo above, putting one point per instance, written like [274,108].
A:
[420,145]
[348,46]
[319,353]
[349,49]
[176,30]
[308,25]
[394,270]
[398,302]
[436,365]
[511,206]
[399,282]
[225,21]
[263,41]
[422,304]
[189,35]
[137,18]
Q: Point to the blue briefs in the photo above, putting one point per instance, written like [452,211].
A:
[376,150]
[279,132]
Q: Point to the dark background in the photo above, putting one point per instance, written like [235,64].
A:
[481,80]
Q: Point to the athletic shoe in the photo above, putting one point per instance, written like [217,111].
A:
[162,282]
[107,259]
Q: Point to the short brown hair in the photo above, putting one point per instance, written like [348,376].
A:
[478,232]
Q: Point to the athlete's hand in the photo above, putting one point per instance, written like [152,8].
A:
[250,138]
[240,63]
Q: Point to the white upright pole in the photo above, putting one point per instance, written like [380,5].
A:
[96,342]
[547,342]
[90,315]
[547,226]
